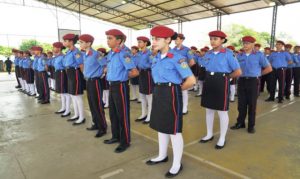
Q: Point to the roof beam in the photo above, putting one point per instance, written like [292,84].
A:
[209,6]
[92,6]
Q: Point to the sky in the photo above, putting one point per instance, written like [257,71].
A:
[35,20]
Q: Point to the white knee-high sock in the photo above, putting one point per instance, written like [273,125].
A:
[163,141]
[149,105]
[31,88]
[63,103]
[185,100]
[106,101]
[224,120]
[104,96]
[49,82]
[79,102]
[144,105]
[68,103]
[134,89]
[54,87]
[177,145]
[35,89]
[200,83]
[26,87]
[210,114]
[232,92]
[74,106]
[21,82]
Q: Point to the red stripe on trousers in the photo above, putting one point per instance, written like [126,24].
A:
[124,111]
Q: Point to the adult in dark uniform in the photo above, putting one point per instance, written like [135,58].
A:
[119,68]
[288,73]
[93,70]
[279,61]
[104,82]
[171,75]
[296,70]
[43,76]
[265,79]
[8,64]
[221,65]
[73,62]
[134,82]
[252,62]
[145,79]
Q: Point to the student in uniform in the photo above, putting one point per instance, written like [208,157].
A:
[265,79]
[29,73]
[21,71]
[93,70]
[288,73]
[119,68]
[51,70]
[36,76]
[61,79]
[145,79]
[279,61]
[201,71]
[233,80]
[134,82]
[104,82]
[296,70]
[16,63]
[253,64]
[195,67]
[189,56]
[43,76]
[220,65]
[171,75]
[257,47]
[73,63]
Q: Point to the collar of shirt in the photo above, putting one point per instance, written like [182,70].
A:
[222,50]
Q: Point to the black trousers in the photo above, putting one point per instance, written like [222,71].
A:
[277,75]
[37,82]
[248,90]
[296,74]
[44,86]
[94,95]
[8,69]
[265,79]
[288,81]
[17,72]
[119,111]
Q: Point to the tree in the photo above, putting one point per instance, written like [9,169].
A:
[6,51]
[27,44]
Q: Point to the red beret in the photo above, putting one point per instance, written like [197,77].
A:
[161,31]
[14,50]
[204,49]
[257,45]
[86,38]
[217,33]
[280,41]
[37,48]
[115,32]
[143,38]
[181,36]
[288,46]
[69,36]
[248,39]
[267,48]
[231,47]
[103,50]
[27,52]
[193,48]
[58,45]
[135,47]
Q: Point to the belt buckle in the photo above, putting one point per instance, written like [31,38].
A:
[212,73]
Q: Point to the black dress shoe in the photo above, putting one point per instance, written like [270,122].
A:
[269,99]
[296,95]
[138,101]
[218,147]
[185,113]
[198,95]
[111,141]
[45,102]
[32,94]
[92,128]
[121,148]
[60,112]
[251,130]
[133,99]
[66,115]
[150,162]
[100,134]
[79,123]
[232,101]
[37,97]
[73,119]
[18,86]
[171,175]
[287,97]
[140,119]
[205,141]
[280,101]
[237,126]
[146,122]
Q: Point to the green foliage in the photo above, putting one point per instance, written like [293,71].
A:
[6,51]
[27,44]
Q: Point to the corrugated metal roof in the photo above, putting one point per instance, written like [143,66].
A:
[141,14]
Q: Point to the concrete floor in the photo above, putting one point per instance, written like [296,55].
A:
[35,143]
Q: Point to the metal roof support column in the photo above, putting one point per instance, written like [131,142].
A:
[273,30]
[219,21]
[79,17]
[57,22]
[179,26]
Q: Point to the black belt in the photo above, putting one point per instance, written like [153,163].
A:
[248,78]
[280,68]
[71,68]
[90,79]
[116,82]
[217,74]
[60,70]
[165,84]
[146,69]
